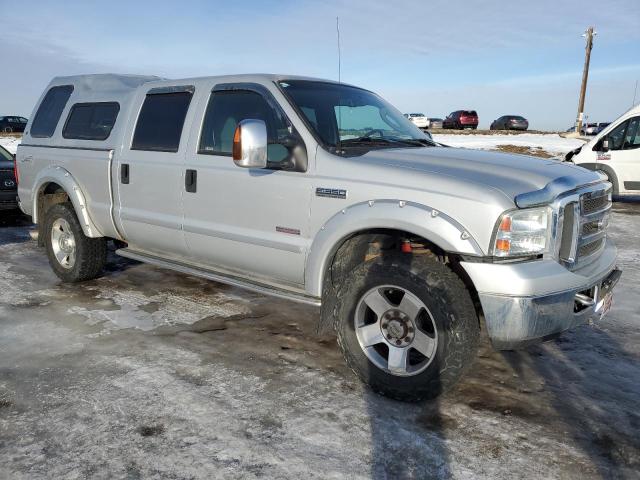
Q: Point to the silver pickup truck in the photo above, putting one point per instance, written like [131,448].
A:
[322,193]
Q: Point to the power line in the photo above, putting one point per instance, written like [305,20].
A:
[339,53]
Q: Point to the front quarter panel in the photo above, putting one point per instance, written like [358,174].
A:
[417,219]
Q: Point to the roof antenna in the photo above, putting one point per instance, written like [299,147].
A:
[339,59]
[339,142]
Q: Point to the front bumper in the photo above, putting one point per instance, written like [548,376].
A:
[525,303]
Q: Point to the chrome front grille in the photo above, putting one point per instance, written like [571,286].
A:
[591,204]
[584,227]
[590,248]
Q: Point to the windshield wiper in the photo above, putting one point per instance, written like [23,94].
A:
[420,142]
[417,142]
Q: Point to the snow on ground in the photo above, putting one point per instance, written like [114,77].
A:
[10,143]
[550,142]
[150,373]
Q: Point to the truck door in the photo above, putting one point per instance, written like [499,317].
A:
[251,221]
[149,172]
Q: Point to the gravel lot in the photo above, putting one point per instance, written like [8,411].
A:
[145,373]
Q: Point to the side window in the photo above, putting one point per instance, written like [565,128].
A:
[632,137]
[48,114]
[616,137]
[91,121]
[160,122]
[226,109]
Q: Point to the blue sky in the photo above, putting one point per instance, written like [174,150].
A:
[430,56]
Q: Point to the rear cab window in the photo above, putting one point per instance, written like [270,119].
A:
[161,119]
[50,110]
[91,121]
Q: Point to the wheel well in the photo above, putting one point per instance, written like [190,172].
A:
[613,178]
[49,194]
[365,245]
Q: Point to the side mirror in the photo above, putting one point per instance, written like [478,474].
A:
[250,144]
[605,145]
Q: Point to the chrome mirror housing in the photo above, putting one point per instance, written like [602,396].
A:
[250,144]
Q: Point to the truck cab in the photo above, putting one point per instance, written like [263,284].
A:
[322,193]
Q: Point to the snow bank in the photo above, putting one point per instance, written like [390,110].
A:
[550,142]
[10,143]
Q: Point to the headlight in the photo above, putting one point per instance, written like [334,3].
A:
[522,232]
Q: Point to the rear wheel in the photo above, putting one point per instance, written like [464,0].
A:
[407,326]
[73,256]
[8,130]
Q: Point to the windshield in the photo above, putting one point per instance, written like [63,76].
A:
[345,117]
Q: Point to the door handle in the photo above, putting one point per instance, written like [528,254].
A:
[26,159]
[124,173]
[191,181]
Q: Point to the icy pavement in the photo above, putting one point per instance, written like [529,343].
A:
[551,142]
[145,373]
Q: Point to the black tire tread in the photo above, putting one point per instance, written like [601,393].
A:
[463,337]
[91,253]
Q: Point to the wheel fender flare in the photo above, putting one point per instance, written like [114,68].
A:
[61,176]
[613,178]
[417,219]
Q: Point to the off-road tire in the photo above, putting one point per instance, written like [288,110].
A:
[450,305]
[91,253]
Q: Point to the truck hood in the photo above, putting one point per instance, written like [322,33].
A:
[534,180]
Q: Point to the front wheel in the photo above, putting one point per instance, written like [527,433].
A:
[407,326]
[73,256]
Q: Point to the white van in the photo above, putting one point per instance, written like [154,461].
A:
[615,152]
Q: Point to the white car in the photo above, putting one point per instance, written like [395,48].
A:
[418,119]
[615,152]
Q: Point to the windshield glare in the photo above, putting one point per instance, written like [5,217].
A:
[344,116]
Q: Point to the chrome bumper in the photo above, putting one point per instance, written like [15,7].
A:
[523,304]
[515,322]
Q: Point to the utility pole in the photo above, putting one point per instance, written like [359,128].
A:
[589,34]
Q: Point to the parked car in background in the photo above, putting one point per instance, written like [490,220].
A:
[418,119]
[590,129]
[461,119]
[12,124]
[602,126]
[615,153]
[8,183]
[510,122]
[434,123]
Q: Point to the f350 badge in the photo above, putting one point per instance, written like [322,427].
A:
[331,192]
